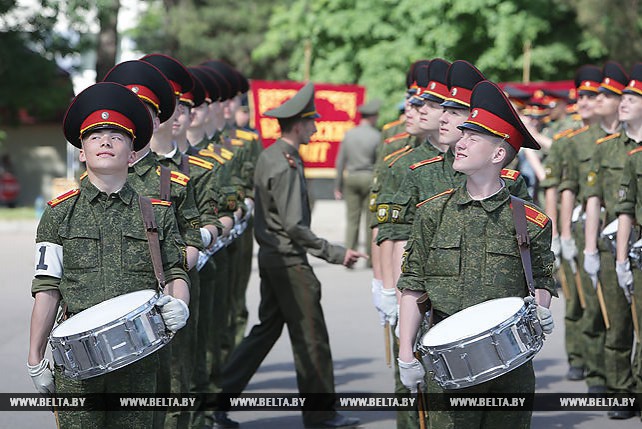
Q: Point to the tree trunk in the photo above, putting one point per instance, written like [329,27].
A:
[107,46]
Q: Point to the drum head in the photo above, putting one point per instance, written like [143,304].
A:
[472,321]
[103,313]
[611,228]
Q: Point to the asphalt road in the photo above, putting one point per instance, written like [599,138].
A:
[355,335]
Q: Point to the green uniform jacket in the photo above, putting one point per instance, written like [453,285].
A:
[282,217]
[630,194]
[464,252]
[577,158]
[144,177]
[103,245]
[430,176]
[556,162]
[605,174]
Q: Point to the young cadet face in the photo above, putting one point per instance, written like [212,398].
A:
[199,115]
[607,104]
[429,115]
[181,120]
[630,108]
[449,120]
[476,151]
[586,106]
[107,151]
[412,118]
[306,129]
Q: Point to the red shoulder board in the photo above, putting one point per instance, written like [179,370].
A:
[200,162]
[578,131]
[426,162]
[636,150]
[180,178]
[607,138]
[562,134]
[290,159]
[396,137]
[441,194]
[535,216]
[158,202]
[400,156]
[391,124]
[507,173]
[82,176]
[60,198]
[397,152]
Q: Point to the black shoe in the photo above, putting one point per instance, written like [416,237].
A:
[620,413]
[338,421]
[575,373]
[597,389]
[221,420]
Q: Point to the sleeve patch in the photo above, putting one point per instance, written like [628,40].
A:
[426,162]
[60,198]
[535,216]
[48,259]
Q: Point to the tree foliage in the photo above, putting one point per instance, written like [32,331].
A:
[197,30]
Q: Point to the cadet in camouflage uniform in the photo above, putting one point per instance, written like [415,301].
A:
[585,351]
[601,190]
[290,292]
[462,251]
[602,184]
[354,165]
[629,205]
[100,231]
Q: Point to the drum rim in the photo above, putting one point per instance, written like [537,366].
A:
[147,304]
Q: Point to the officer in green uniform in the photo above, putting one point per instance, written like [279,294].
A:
[290,292]
[100,231]
[463,251]
[584,351]
[629,205]
[601,190]
[354,165]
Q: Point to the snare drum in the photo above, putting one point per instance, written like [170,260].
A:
[481,342]
[609,235]
[109,335]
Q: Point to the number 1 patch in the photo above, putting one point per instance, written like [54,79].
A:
[48,259]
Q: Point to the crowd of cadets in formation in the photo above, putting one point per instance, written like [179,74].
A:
[208,132]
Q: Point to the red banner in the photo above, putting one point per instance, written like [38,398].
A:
[337,105]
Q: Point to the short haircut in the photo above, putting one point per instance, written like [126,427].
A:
[286,124]
[511,152]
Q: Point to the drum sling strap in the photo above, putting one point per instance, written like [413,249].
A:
[151,229]
[523,240]
[165,183]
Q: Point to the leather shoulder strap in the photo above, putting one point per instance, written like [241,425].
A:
[523,240]
[151,229]
[184,167]
[165,179]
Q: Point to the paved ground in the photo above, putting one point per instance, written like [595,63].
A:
[355,335]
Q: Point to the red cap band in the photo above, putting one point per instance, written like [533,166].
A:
[635,86]
[438,89]
[460,95]
[497,126]
[612,85]
[146,94]
[108,117]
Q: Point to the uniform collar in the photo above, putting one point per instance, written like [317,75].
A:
[126,193]
[489,204]
[288,148]
[175,156]
[144,164]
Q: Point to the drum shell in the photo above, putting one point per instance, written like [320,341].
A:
[113,345]
[486,355]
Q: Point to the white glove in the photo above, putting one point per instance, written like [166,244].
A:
[625,278]
[543,314]
[592,262]
[389,305]
[556,249]
[206,237]
[249,203]
[174,312]
[411,374]
[569,249]
[377,286]
[42,377]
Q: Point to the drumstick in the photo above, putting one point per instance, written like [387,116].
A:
[56,416]
[421,407]
[600,300]
[578,286]
[386,336]
[564,283]
[634,315]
